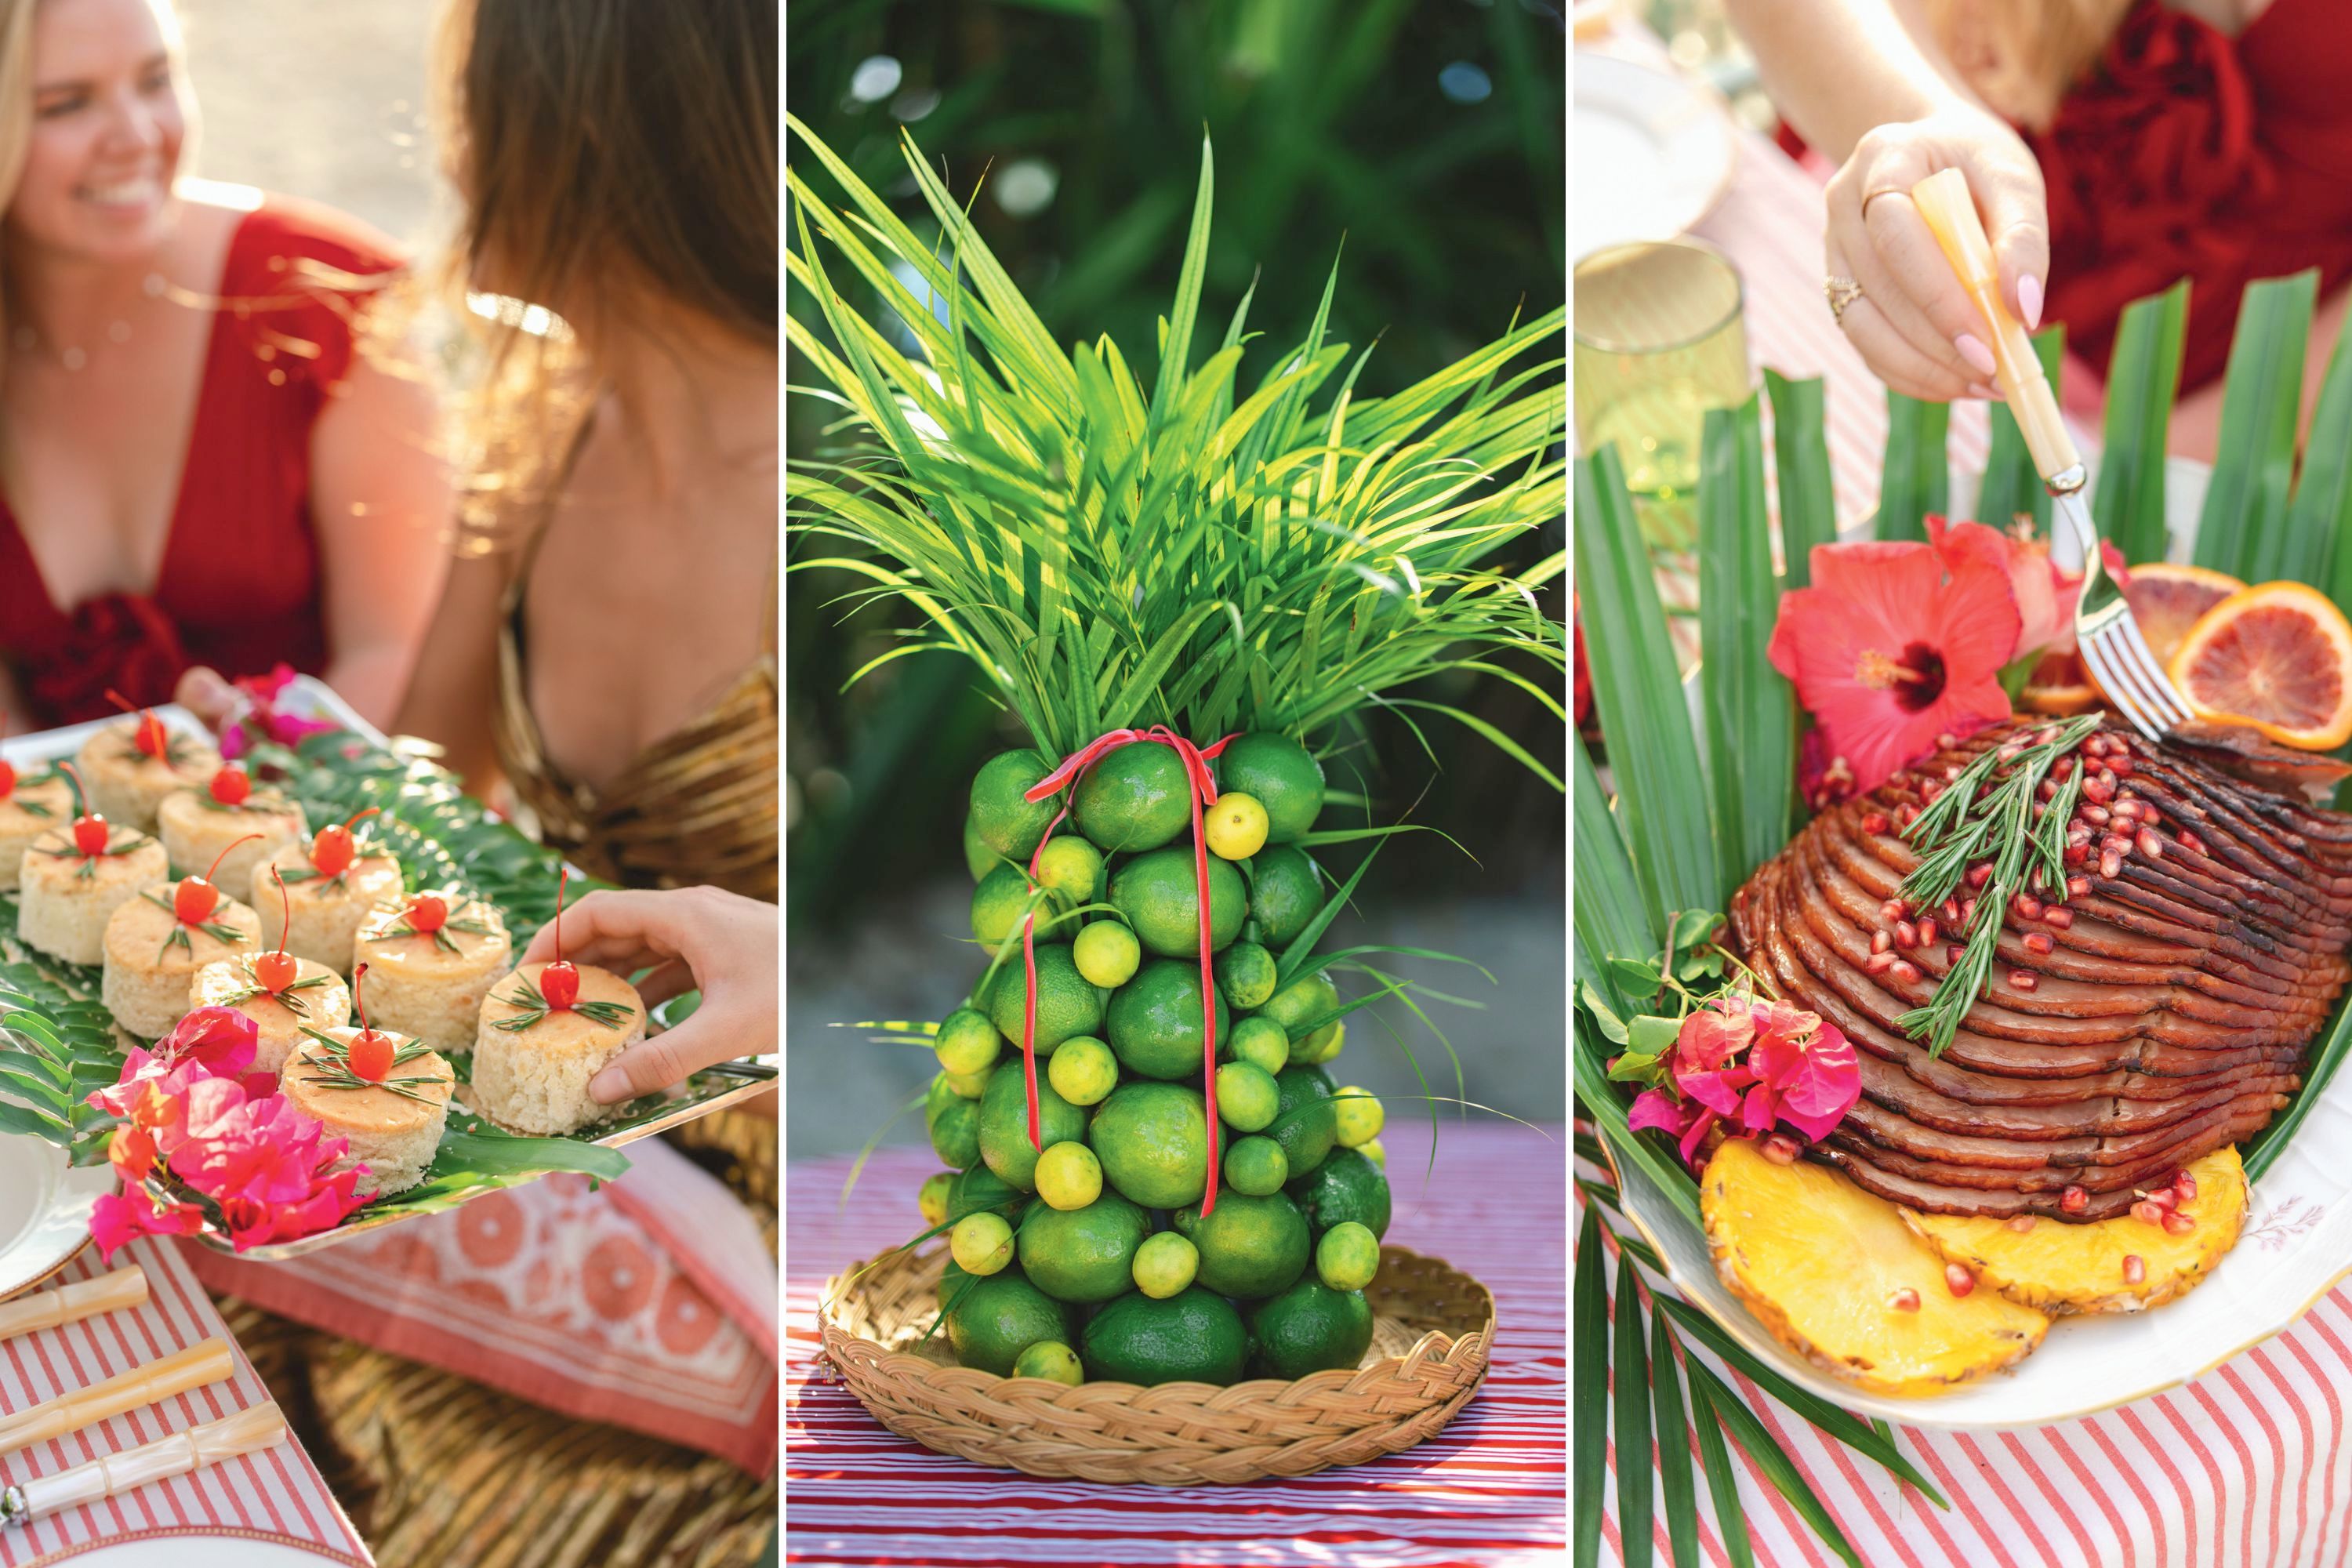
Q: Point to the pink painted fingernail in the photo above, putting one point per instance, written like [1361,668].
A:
[1975,353]
[2029,299]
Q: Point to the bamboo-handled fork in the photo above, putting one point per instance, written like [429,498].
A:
[2118,656]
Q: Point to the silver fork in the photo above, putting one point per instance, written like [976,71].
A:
[2110,641]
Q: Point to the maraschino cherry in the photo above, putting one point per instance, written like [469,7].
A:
[91,833]
[370,1054]
[428,914]
[196,898]
[277,970]
[332,847]
[150,739]
[558,983]
[232,785]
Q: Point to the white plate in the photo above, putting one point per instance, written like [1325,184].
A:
[45,1207]
[200,1552]
[1654,152]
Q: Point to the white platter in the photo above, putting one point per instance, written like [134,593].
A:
[1654,152]
[184,1550]
[45,1207]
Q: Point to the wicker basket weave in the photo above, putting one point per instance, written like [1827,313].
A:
[1431,1327]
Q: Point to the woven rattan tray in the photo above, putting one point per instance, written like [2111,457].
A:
[1432,1329]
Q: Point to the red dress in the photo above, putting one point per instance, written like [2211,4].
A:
[239,589]
[2187,153]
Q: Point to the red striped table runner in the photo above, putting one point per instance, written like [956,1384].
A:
[275,1495]
[1488,1493]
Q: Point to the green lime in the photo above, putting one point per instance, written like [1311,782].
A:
[1152,1140]
[1255,1166]
[951,1280]
[1000,1316]
[936,1096]
[1083,1070]
[1286,893]
[1159,895]
[933,1198]
[1346,1187]
[1006,823]
[1245,973]
[1154,1020]
[1306,1125]
[981,1244]
[1135,798]
[1347,1256]
[1004,1125]
[1083,1254]
[1067,1006]
[1300,1004]
[1070,867]
[1235,826]
[998,904]
[1247,1098]
[955,1132]
[1164,1264]
[1250,1246]
[1277,773]
[1069,1176]
[967,1043]
[1051,1360]
[1310,1327]
[977,855]
[968,1085]
[1106,953]
[981,1190]
[1361,1117]
[1322,1045]
[1193,1336]
[1259,1041]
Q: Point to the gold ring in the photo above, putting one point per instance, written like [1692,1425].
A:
[1840,292]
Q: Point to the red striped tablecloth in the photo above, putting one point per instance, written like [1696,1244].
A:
[1487,1492]
[2248,1465]
[275,1495]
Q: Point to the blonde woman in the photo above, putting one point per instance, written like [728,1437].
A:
[2113,148]
[197,466]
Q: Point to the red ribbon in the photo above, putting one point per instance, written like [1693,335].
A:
[1202,792]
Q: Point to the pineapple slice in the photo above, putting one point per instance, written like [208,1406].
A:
[1836,1276]
[2059,1268]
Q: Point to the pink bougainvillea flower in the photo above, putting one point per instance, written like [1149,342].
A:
[1583,682]
[120,1218]
[1759,1064]
[221,1040]
[1808,1068]
[1703,1066]
[263,718]
[1894,644]
[1683,1120]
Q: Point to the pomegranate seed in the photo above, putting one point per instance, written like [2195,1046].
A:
[2094,745]
[1905,1301]
[2058,915]
[2063,769]
[1878,963]
[2186,1185]
[1880,942]
[2115,844]
[2073,1200]
[1907,935]
[2027,906]
[2099,789]
[1894,909]
[2077,885]
[2012,752]
[1906,816]
[1979,874]
[1952,915]
[2148,1213]
[1904,972]
[1968,914]
[1958,1280]
[1779,1148]
[1874,822]
[2044,735]
[2119,762]
[2190,842]
[2150,816]
[2179,1223]
[2135,1270]
[2039,942]
[1946,740]
[2045,790]
[2164,1198]
[2023,979]
[2125,810]
[1927,933]
[1952,772]
[2111,865]
[2077,853]
[1952,952]
[2149,844]
[2022,1224]
[2096,816]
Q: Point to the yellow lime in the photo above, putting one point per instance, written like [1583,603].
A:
[968,1085]
[1004,1125]
[1310,1327]
[1069,1176]
[1247,1097]
[1245,973]
[1154,1020]
[1299,1005]
[1070,867]
[1001,1316]
[1106,953]
[1051,1360]
[1165,1265]
[1083,1254]
[1160,896]
[1322,1045]
[1261,1042]
[933,1199]
[982,1244]
[1152,1140]
[1083,1070]
[977,856]
[1375,1154]
[1009,825]
[1286,893]
[1255,1166]
[1347,1256]
[1135,798]
[1250,1246]
[1068,1007]
[1276,772]
[967,1043]
[1361,1117]
[1235,826]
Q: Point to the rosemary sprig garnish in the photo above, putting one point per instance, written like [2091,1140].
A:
[254,987]
[227,936]
[34,808]
[176,748]
[609,1015]
[250,805]
[440,934]
[89,862]
[335,1070]
[1986,815]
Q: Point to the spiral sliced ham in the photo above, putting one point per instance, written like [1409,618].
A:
[2169,1017]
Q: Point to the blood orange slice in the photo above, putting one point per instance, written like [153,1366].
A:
[2167,600]
[2277,656]
[2059,685]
